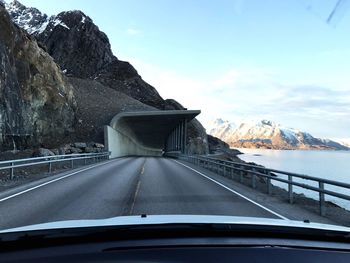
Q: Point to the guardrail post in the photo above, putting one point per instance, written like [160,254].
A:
[12,171]
[241,175]
[290,189]
[224,170]
[253,178]
[50,167]
[322,199]
[72,163]
[268,183]
[85,160]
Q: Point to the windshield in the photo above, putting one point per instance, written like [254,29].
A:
[202,108]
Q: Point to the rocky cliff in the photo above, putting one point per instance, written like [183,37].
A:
[83,51]
[65,82]
[37,102]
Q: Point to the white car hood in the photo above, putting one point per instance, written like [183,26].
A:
[174,219]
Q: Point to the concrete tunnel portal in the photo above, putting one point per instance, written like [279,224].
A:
[148,133]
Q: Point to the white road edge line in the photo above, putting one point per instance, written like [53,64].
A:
[233,191]
[52,181]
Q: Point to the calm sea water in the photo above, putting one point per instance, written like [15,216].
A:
[332,165]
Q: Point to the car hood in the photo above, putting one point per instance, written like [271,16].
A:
[174,219]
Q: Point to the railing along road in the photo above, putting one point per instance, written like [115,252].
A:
[49,160]
[238,169]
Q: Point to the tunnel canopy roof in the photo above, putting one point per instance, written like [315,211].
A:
[151,128]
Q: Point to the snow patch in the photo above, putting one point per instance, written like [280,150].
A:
[29,19]
[59,22]
[342,141]
[42,27]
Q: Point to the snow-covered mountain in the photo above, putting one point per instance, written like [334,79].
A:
[34,22]
[222,129]
[68,37]
[343,141]
[269,135]
[28,18]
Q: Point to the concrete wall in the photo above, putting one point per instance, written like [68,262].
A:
[120,144]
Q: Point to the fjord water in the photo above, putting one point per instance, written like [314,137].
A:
[332,165]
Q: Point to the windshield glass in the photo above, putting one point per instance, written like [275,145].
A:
[216,108]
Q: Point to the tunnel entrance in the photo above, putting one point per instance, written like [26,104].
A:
[148,132]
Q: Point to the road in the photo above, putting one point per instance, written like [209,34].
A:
[125,186]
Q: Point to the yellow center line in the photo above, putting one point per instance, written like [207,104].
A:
[136,192]
[143,167]
[137,187]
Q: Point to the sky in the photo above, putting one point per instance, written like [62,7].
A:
[237,59]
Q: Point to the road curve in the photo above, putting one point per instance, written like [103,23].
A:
[126,186]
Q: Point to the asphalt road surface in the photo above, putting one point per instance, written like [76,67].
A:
[125,186]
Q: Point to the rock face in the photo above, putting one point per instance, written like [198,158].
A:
[76,44]
[122,76]
[222,150]
[269,135]
[30,19]
[37,103]
[97,105]
[71,101]
[69,36]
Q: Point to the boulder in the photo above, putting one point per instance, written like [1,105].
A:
[61,151]
[42,152]
[80,145]
[89,150]
[99,145]
[75,150]
[55,151]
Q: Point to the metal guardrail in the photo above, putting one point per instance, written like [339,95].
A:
[229,168]
[49,160]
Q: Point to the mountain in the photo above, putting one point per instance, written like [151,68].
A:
[269,135]
[222,129]
[37,104]
[343,141]
[83,51]
[30,19]
[61,82]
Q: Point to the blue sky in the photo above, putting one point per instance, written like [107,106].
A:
[237,59]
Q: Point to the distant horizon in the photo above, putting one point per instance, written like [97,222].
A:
[237,123]
[275,60]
